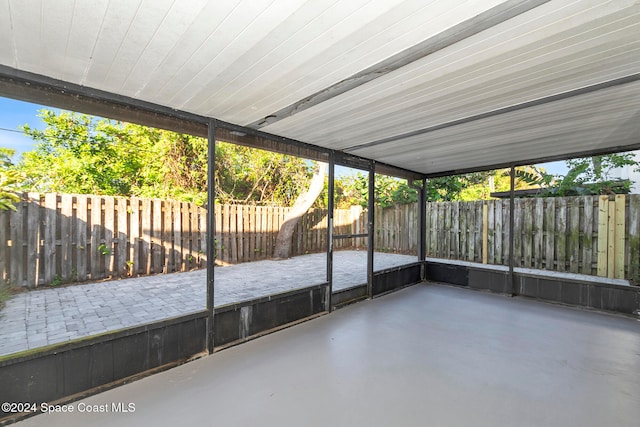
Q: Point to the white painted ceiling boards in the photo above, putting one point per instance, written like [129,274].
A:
[427,85]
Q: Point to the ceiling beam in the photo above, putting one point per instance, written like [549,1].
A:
[38,89]
[461,31]
[44,90]
[516,107]
[538,160]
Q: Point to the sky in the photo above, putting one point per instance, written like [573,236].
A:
[14,114]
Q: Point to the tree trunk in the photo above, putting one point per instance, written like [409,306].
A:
[299,208]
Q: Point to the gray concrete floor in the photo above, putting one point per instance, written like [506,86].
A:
[427,355]
[49,316]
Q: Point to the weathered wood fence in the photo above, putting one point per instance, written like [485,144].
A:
[589,235]
[55,239]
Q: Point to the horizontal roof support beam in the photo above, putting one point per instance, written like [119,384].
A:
[39,89]
[522,106]
[461,31]
[538,160]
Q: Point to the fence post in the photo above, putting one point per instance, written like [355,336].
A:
[634,238]
[33,240]
[82,219]
[50,204]
[611,240]
[618,239]
[122,267]
[603,234]
[485,232]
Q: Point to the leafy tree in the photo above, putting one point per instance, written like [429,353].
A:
[9,178]
[498,180]
[353,190]
[77,153]
[248,175]
[586,176]
[449,188]
[390,191]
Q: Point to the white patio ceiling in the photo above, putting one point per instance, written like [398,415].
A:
[430,86]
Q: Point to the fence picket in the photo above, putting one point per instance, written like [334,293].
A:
[178,249]
[218,249]
[561,231]
[573,229]
[550,232]
[17,228]
[145,236]
[603,234]
[633,241]
[619,234]
[82,225]
[50,223]
[185,237]
[109,229]
[156,237]
[65,218]
[233,234]
[527,230]
[611,240]
[538,232]
[34,230]
[498,232]
[587,236]
[122,238]
[463,230]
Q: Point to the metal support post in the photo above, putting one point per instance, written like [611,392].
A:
[370,229]
[512,203]
[330,202]
[211,231]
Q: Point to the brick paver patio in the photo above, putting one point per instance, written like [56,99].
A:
[43,317]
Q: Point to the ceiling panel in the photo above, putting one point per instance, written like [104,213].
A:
[7,47]
[190,51]
[86,25]
[27,34]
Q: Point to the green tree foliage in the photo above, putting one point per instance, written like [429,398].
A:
[352,190]
[585,176]
[77,153]
[247,175]
[450,188]
[390,191]
[499,180]
[9,179]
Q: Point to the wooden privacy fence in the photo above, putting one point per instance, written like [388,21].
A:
[397,229]
[595,235]
[55,239]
